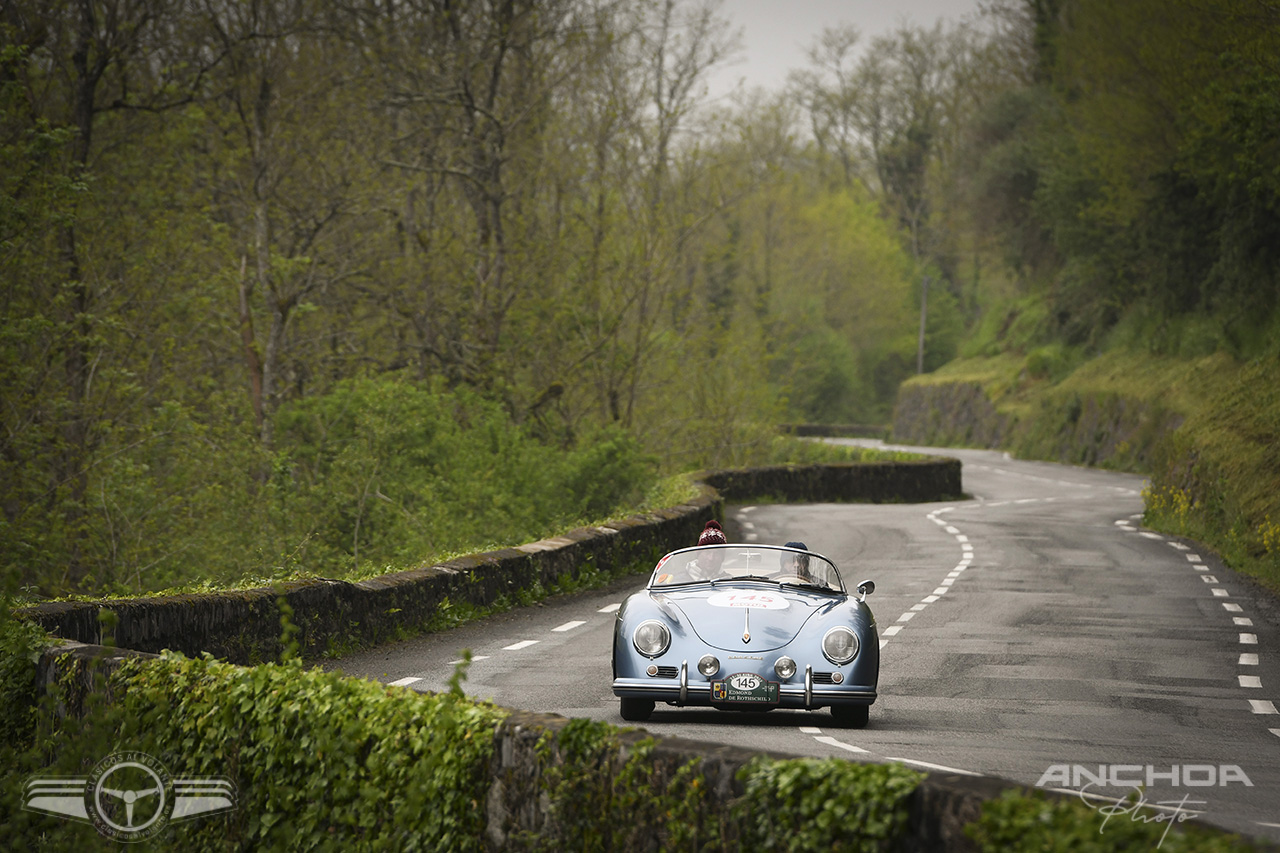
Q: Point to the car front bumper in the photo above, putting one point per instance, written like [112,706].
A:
[683,691]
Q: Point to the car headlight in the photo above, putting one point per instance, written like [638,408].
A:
[651,638]
[840,645]
[785,667]
[709,665]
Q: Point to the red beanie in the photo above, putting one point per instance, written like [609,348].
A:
[712,534]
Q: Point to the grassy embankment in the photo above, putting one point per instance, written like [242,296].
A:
[654,492]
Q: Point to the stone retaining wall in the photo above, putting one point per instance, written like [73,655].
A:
[243,626]
[950,413]
[1065,426]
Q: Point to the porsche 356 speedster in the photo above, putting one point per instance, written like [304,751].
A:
[747,628]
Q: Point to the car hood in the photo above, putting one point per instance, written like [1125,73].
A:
[734,619]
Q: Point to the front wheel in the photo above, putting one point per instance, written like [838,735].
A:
[851,716]
[636,710]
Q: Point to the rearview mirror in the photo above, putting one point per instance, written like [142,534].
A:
[866,588]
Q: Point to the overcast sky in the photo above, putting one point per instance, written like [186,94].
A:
[776,33]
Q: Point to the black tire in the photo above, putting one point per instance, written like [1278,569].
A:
[851,716]
[636,710]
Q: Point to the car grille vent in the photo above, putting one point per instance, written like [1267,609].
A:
[822,678]
[667,672]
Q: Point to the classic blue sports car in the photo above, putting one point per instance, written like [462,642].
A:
[747,628]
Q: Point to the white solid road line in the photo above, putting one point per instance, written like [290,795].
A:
[940,767]
[830,741]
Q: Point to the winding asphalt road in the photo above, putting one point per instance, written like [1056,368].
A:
[1033,632]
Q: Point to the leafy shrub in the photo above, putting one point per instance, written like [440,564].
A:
[827,804]
[20,645]
[1016,822]
[376,475]
[390,473]
[602,797]
[318,761]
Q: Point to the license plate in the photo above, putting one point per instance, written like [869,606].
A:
[744,688]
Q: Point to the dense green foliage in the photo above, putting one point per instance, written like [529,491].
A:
[318,761]
[602,797]
[375,474]
[824,804]
[1217,479]
[1130,185]
[1131,182]
[224,228]
[1018,823]
[20,645]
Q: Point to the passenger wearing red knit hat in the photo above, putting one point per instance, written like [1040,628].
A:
[712,534]
[707,566]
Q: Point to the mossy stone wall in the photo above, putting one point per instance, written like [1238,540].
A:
[1100,428]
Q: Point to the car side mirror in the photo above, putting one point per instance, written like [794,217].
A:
[866,588]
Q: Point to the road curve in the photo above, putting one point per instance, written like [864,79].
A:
[1033,631]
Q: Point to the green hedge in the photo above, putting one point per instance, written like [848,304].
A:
[325,762]
[319,761]
[1013,823]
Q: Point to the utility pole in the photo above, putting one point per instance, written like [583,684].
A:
[924,314]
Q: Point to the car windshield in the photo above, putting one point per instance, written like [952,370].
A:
[726,563]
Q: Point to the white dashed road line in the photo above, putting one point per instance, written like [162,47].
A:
[1245,638]
[966,560]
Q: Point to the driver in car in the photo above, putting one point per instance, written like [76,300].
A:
[796,565]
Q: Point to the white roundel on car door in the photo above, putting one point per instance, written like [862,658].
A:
[749,598]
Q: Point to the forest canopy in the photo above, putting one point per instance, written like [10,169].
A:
[280,277]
